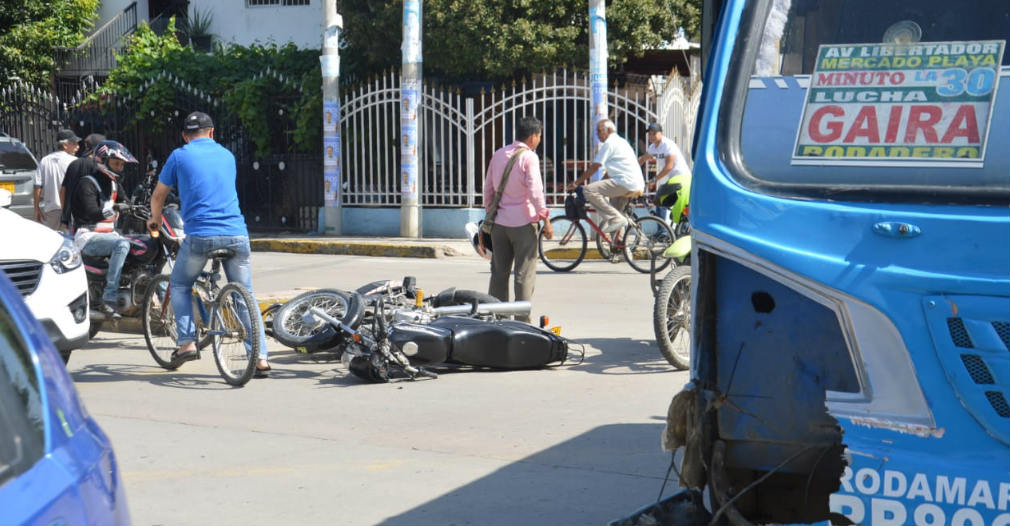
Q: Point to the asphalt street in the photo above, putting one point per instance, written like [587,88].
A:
[577,444]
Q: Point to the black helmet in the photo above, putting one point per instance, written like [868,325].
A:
[106,150]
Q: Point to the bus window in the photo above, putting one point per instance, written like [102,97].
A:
[877,101]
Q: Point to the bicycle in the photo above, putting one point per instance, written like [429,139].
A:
[569,245]
[222,319]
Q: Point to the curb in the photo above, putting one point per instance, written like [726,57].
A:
[405,249]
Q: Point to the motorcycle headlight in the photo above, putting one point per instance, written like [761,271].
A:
[67,258]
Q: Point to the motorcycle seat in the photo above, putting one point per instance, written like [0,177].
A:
[221,253]
[99,262]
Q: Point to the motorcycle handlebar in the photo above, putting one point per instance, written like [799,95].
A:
[505,307]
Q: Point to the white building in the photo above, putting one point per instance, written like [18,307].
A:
[263,21]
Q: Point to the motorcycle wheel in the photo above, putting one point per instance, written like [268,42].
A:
[671,317]
[95,327]
[290,327]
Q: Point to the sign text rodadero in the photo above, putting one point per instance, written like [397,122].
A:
[925,104]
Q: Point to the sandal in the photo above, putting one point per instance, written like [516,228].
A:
[262,372]
[184,356]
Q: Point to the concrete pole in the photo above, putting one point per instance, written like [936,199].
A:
[598,68]
[410,109]
[329,61]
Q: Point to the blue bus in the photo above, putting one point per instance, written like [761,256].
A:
[850,207]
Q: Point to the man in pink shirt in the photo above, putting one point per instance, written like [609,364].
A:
[520,210]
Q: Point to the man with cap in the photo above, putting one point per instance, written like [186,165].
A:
[670,160]
[203,172]
[49,178]
[81,167]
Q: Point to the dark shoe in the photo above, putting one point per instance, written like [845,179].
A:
[179,358]
[109,312]
[262,373]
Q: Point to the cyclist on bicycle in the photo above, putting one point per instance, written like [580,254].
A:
[625,177]
[203,172]
[673,163]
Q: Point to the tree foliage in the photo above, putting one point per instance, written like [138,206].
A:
[498,39]
[233,74]
[29,29]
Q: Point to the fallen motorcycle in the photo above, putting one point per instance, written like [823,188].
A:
[386,331]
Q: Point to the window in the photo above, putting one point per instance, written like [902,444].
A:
[15,157]
[873,100]
[21,419]
[258,3]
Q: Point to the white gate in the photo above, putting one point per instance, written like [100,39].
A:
[459,134]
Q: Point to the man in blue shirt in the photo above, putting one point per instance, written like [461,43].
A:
[203,172]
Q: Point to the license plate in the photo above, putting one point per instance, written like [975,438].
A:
[7,185]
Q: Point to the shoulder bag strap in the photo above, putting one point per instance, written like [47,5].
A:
[493,210]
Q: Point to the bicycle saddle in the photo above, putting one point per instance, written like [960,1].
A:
[221,253]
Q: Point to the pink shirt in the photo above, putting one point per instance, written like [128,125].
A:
[522,202]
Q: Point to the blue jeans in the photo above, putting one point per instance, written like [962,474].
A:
[116,248]
[192,258]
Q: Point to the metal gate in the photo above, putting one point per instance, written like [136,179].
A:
[459,134]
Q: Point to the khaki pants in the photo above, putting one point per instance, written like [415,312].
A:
[52,219]
[610,211]
[516,245]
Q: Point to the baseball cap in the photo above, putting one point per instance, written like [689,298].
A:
[655,126]
[67,135]
[197,121]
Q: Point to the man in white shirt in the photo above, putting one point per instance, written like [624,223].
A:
[670,161]
[49,179]
[624,177]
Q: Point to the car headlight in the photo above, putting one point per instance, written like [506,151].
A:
[67,258]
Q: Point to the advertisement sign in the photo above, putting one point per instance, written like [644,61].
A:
[924,104]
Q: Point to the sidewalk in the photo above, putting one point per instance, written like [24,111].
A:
[363,246]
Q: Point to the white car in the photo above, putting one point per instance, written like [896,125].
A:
[46,268]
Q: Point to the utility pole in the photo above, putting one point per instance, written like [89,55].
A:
[598,68]
[410,109]
[329,61]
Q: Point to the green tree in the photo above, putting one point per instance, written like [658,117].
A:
[233,74]
[498,39]
[30,29]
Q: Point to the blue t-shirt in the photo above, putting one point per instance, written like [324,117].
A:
[203,172]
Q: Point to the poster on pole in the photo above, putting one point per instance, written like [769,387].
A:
[923,104]
[331,118]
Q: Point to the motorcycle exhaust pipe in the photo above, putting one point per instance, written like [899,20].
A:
[506,308]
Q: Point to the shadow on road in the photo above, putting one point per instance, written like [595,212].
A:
[622,356]
[592,478]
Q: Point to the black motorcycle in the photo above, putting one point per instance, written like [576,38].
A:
[148,254]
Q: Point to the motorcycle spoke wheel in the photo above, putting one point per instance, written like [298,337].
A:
[293,328]
[672,317]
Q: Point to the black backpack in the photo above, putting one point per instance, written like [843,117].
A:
[575,205]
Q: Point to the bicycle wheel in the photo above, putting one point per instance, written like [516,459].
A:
[292,328]
[671,317]
[235,334]
[603,247]
[649,236]
[159,319]
[159,322]
[567,249]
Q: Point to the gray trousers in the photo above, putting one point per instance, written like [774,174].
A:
[516,245]
[610,211]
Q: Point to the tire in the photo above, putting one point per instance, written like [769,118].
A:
[235,329]
[603,247]
[159,322]
[651,234]
[567,249]
[95,327]
[158,319]
[671,317]
[290,330]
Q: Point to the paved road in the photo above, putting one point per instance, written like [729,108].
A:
[571,445]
